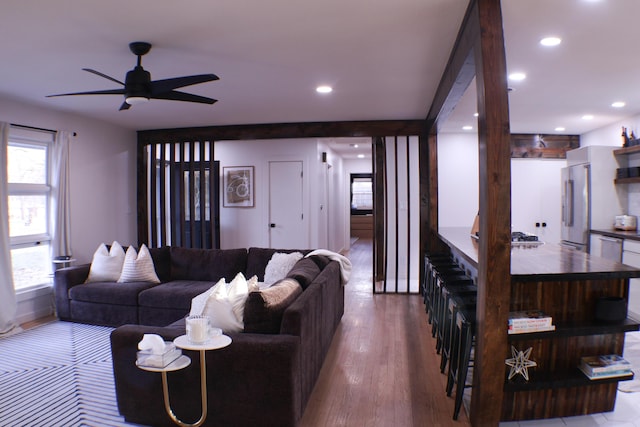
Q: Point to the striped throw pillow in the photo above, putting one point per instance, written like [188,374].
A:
[138,267]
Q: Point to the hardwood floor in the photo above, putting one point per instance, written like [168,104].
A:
[382,368]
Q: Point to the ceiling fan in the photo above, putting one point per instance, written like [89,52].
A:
[138,86]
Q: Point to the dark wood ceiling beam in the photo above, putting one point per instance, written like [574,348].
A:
[458,73]
[372,128]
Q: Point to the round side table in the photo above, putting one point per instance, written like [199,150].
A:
[182,362]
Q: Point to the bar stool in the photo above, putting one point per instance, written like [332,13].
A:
[436,268]
[440,276]
[465,289]
[461,355]
[429,260]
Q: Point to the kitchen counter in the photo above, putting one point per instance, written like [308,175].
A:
[619,234]
[543,261]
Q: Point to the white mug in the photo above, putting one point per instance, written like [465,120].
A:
[198,328]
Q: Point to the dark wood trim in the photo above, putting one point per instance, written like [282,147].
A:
[286,130]
[153,201]
[141,196]
[409,230]
[494,275]
[459,72]
[379,160]
[479,52]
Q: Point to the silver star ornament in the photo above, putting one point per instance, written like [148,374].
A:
[520,362]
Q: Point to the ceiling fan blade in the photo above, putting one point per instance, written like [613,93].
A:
[124,106]
[182,96]
[93,92]
[166,85]
[98,73]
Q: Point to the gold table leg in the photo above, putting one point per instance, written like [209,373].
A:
[203,394]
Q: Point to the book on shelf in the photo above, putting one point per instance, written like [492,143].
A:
[530,317]
[529,321]
[530,328]
[603,364]
[604,375]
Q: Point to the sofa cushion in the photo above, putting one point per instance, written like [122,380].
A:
[206,264]
[258,258]
[162,262]
[304,271]
[264,309]
[176,294]
[109,292]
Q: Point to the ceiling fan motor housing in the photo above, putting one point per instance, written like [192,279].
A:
[138,83]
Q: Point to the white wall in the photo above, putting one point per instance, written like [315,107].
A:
[102,181]
[457,179]
[249,227]
[535,184]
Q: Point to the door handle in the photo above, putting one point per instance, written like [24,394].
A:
[272,225]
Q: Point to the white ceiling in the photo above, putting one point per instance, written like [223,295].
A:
[384,58]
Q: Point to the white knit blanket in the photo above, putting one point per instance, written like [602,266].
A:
[345,264]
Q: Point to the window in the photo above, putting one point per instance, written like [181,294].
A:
[361,194]
[29,206]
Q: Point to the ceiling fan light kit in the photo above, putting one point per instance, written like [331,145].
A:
[138,86]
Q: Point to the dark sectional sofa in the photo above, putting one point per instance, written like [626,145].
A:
[264,378]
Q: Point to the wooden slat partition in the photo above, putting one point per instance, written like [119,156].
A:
[398,199]
[181,180]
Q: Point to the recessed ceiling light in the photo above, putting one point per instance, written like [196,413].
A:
[618,104]
[467,127]
[517,76]
[361,156]
[475,114]
[550,41]
[560,129]
[587,117]
[324,89]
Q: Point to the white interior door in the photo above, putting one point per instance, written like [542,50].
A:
[286,221]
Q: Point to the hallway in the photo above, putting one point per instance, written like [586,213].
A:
[382,368]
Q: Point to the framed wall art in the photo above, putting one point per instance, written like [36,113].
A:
[238,187]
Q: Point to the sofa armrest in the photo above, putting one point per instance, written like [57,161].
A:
[63,280]
[254,381]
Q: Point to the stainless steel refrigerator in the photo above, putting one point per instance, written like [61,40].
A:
[590,198]
[575,206]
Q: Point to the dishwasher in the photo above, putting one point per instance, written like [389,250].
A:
[631,256]
[611,248]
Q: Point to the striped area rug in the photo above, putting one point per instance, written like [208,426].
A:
[58,374]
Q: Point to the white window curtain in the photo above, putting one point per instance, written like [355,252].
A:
[8,303]
[60,200]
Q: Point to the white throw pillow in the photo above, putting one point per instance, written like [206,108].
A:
[279,265]
[138,267]
[106,266]
[238,291]
[199,301]
[220,311]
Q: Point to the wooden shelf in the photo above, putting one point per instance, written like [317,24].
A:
[581,329]
[541,381]
[627,180]
[627,150]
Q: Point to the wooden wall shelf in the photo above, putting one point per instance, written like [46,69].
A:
[575,329]
[627,150]
[574,378]
[633,180]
